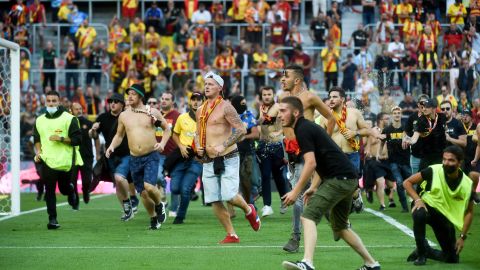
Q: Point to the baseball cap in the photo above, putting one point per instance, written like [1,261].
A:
[466,111]
[137,88]
[196,95]
[116,97]
[430,103]
[215,77]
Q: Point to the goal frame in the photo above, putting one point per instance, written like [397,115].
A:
[14,91]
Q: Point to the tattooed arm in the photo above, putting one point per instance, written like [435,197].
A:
[236,123]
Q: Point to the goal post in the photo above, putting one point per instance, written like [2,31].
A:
[10,126]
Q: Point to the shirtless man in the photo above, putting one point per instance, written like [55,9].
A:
[215,144]
[292,85]
[350,125]
[139,125]
[376,165]
[270,150]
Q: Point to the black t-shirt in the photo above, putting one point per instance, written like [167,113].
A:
[396,153]
[369,9]
[427,175]
[319,29]
[331,161]
[349,73]
[410,127]
[108,128]
[471,145]
[95,59]
[405,105]
[360,38]
[49,59]
[73,62]
[409,62]
[330,13]
[432,134]
[455,129]
[86,150]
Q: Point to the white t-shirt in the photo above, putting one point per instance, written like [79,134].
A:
[398,50]
[204,17]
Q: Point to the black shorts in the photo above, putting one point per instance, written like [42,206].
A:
[375,169]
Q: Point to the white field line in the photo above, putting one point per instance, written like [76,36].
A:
[395,223]
[45,208]
[189,247]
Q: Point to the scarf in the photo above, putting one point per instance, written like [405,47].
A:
[341,120]
[204,115]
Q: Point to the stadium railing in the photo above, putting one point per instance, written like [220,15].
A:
[81,78]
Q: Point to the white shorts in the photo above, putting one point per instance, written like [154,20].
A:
[221,187]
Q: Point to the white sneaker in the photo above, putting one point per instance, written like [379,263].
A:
[267,211]
[358,204]
[172,214]
[283,209]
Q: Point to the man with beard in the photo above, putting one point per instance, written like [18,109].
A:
[292,85]
[270,150]
[445,203]
[185,173]
[171,115]
[219,128]
[455,132]
[119,162]
[350,126]
[398,158]
[334,196]
[430,131]
[138,123]
[86,151]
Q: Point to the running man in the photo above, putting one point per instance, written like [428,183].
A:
[339,182]
[139,124]
[219,128]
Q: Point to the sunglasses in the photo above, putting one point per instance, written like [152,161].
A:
[113,101]
[445,109]
[152,103]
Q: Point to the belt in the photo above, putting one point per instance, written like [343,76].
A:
[232,154]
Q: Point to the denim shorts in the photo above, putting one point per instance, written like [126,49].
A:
[144,169]
[120,165]
[221,187]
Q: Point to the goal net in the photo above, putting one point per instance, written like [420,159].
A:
[9,128]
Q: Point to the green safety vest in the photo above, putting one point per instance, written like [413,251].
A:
[451,203]
[57,155]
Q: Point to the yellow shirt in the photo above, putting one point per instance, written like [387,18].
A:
[135,29]
[63,13]
[24,69]
[328,59]
[260,61]
[115,38]
[457,13]
[242,8]
[402,9]
[429,62]
[185,127]
[450,98]
[412,29]
[85,36]
[200,83]
[129,3]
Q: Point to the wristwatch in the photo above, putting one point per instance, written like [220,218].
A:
[62,139]
[463,236]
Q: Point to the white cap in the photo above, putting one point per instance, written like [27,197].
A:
[215,77]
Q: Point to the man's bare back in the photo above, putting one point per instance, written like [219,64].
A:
[219,127]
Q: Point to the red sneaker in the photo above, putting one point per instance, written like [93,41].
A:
[253,218]
[230,239]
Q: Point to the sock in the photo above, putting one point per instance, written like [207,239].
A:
[249,211]
[308,262]
[233,234]
[375,264]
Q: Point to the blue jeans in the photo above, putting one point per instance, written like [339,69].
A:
[414,164]
[354,158]
[271,163]
[184,176]
[368,18]
[400,173]
[160,178]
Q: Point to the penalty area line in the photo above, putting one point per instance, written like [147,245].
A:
[45,208]
[395,224]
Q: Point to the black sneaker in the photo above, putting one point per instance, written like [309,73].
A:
[154,224]
[421,260]
[382,208]
[86,197]
[178,220]
[413,256]
[293,244]
[392,203]
[53,224]
[161,214]
[134,201]
[73,201]
[369,195]
[476,199]
[298,265]
[127,208]
[366,267]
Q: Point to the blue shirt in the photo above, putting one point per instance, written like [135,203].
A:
[76,20]
[154,12]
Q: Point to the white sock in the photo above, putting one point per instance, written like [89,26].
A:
[309,263]
[249,211]
[373,265]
